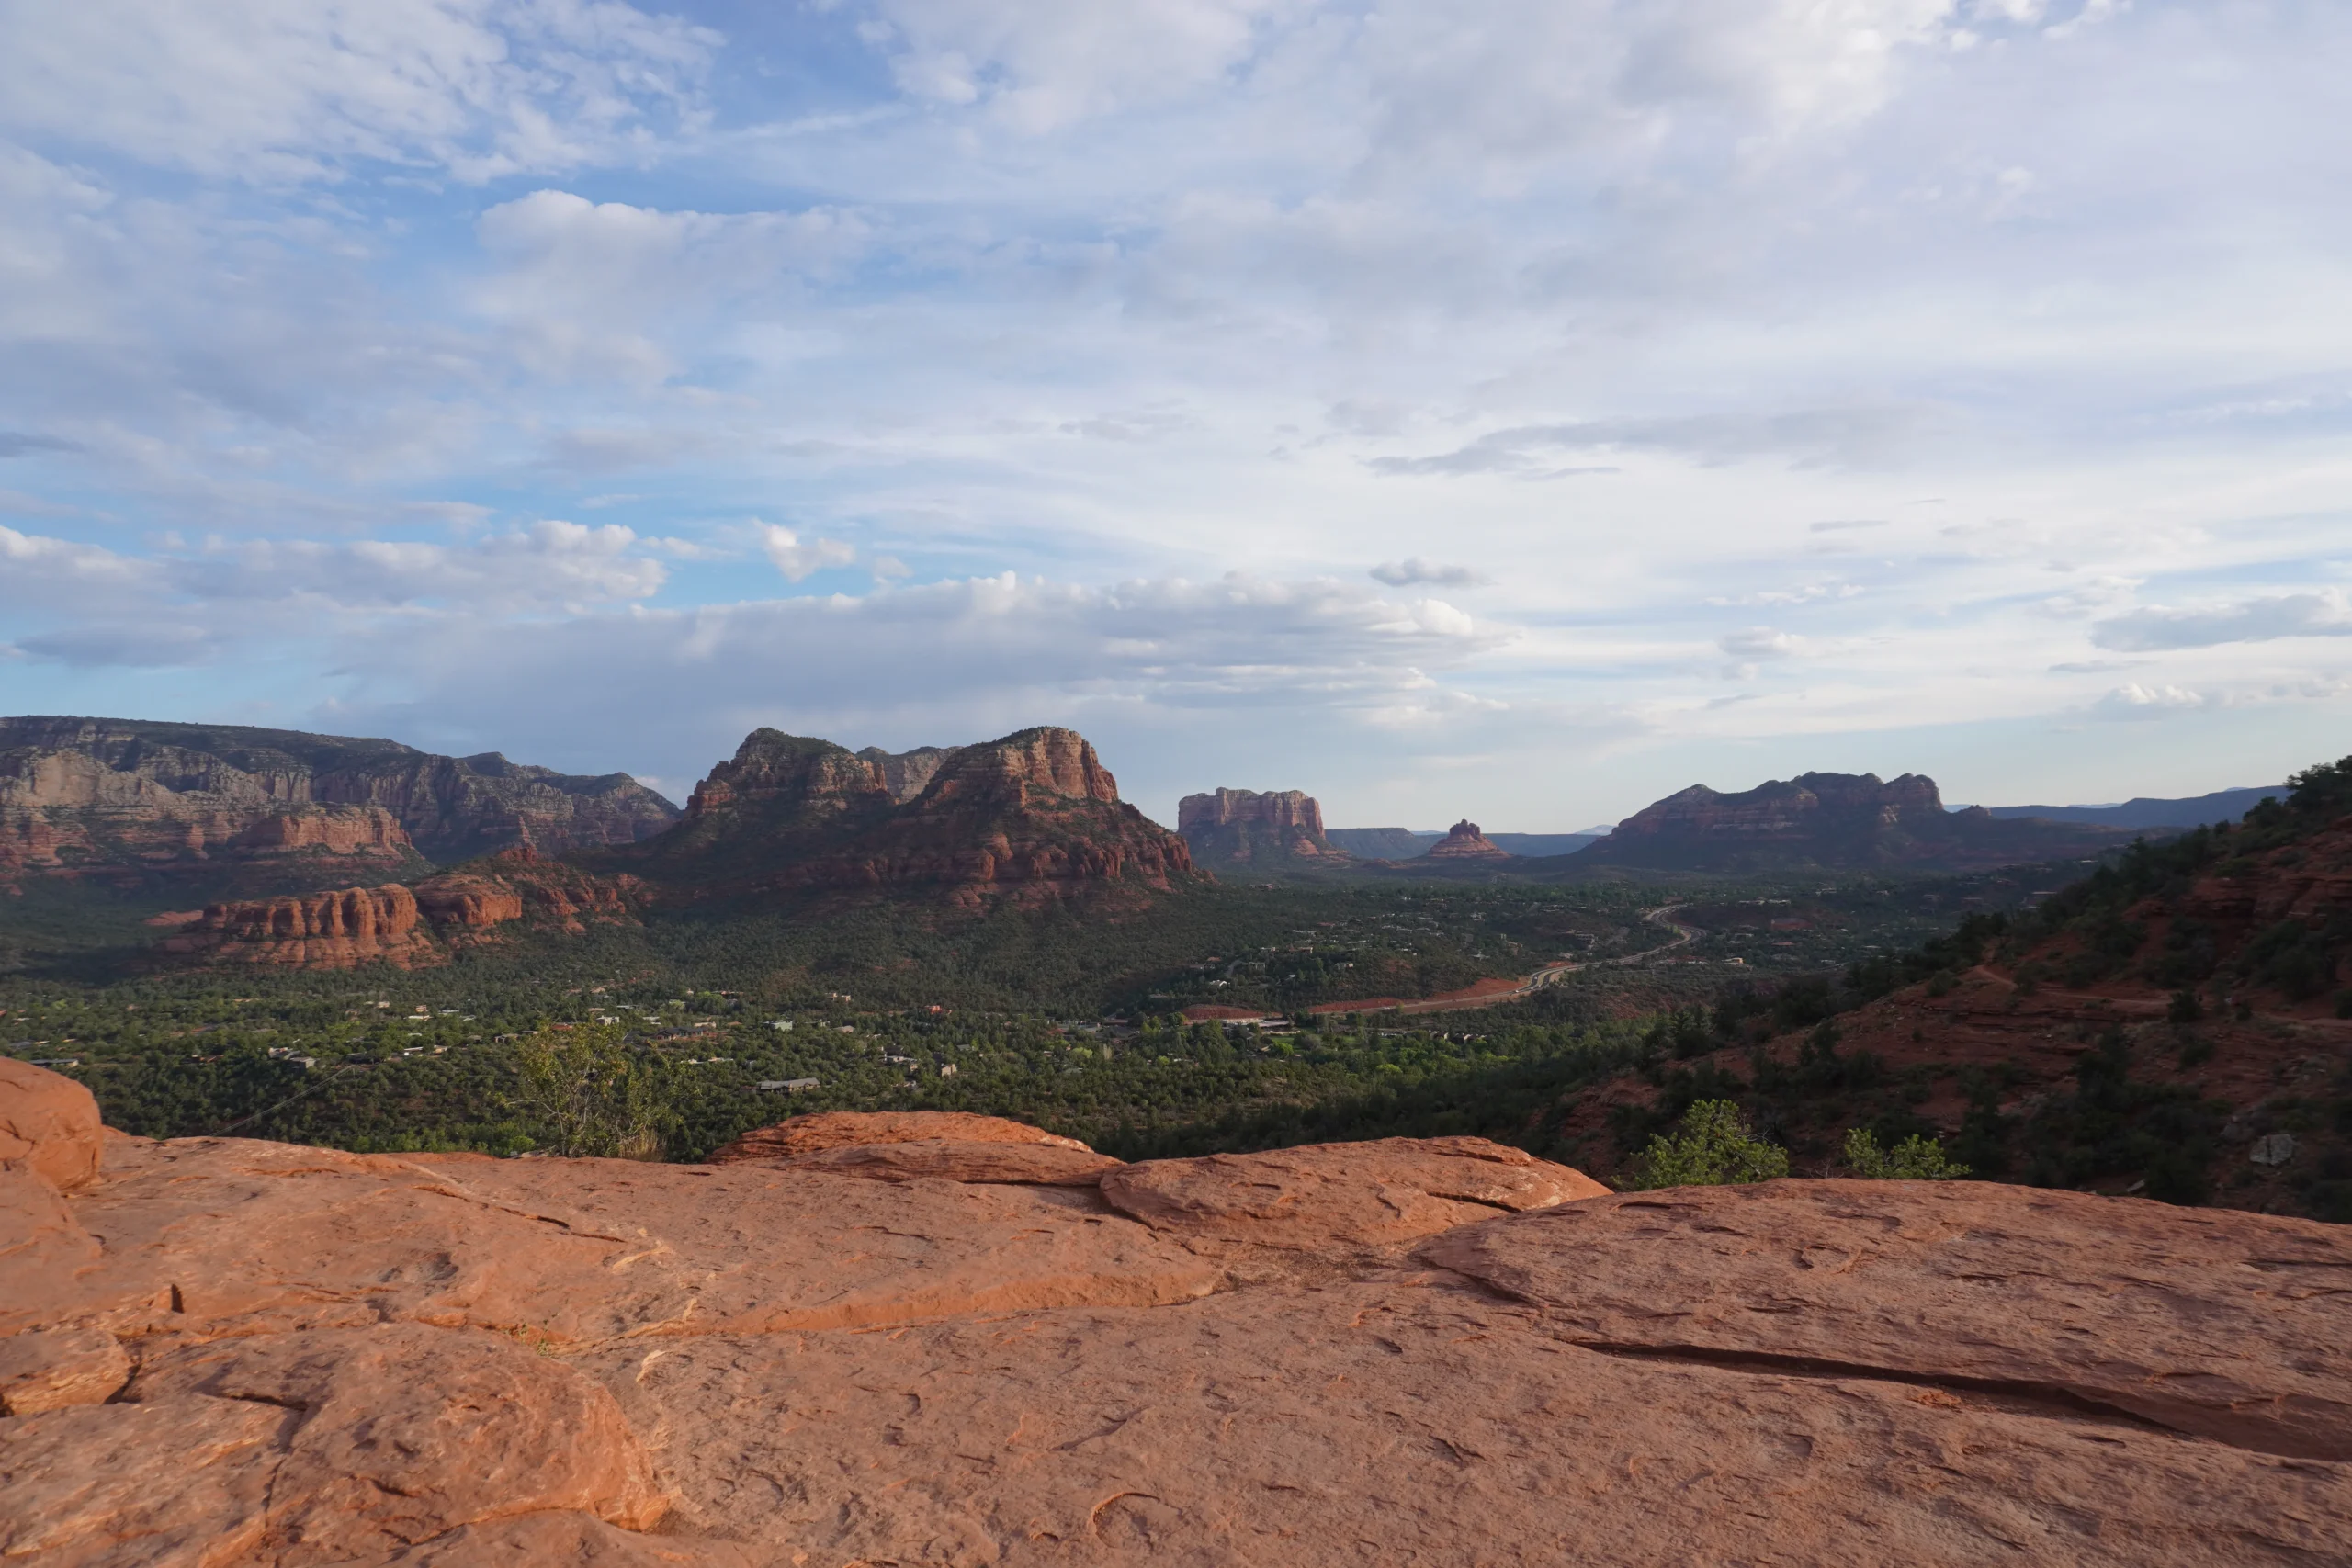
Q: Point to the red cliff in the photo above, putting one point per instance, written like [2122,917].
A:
[403,925]
[1260,829]
[1035,810]
[117,797]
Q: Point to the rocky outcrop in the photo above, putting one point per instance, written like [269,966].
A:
[1463,841]
[606,1363]
[1246,827]
[94,796]
[1326,1194]
[406,926]
[68,813]
[467,903]
[1036,815]
[341,929]
[868,1128]
[48,1125]
[1834,820]
[907,775]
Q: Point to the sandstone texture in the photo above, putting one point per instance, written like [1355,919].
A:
[120,797]
[48,1125]
[947,1159]
[1034,815]
[1245,828]
[1836,820]
[855,1129]
[451,1362]
[1391,1190]
[340,930]
[1464,842]
[405,926]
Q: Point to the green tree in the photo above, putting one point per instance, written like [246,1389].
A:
[590,1092]
[1716,1148]
[1913,1159]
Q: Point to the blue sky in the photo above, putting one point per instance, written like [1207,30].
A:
[1518,410]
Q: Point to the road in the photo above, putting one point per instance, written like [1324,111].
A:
[1661,915]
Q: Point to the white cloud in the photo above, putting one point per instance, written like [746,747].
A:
[1047,64]
[2138,702]
[1420,569]
[1760,642]
[797,561]
[302,89]
[2160,627]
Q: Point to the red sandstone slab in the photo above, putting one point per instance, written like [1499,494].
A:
[2232,1327]
[1376,1193]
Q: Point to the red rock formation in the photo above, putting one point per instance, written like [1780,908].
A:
[1035,813]
[1328,1194]
[48,1125]
[341,929]
[110,796]
[538,1361]
[69,813]
[398,924]
[1464,842]
[519,885]
[1242,827]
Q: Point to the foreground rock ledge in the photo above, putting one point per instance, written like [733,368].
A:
[247,1355]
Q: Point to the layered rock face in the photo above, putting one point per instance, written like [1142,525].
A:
[1464,842]
[1260,828]
[74,814]
[406,926]
[1035,813]
[1834,820]
[1411,1349]
[341,929]
[87,796]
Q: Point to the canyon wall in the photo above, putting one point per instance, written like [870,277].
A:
[95,796]
[1265,830]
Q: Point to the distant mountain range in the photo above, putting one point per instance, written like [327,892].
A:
[2194,811]
[1836,821]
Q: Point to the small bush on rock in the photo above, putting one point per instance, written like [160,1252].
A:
[1716,1148]
[1913,1159]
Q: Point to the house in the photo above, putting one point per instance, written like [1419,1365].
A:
[789,1086]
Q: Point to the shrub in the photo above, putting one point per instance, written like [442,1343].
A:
[2184,1008]
[589,1094]
[1716,1149]
[1913,1159]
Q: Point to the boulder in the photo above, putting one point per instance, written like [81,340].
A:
[1359,1194]
[49,1124]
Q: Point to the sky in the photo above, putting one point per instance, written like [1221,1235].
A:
[1517,411]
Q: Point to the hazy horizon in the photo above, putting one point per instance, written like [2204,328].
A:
[1517,414]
